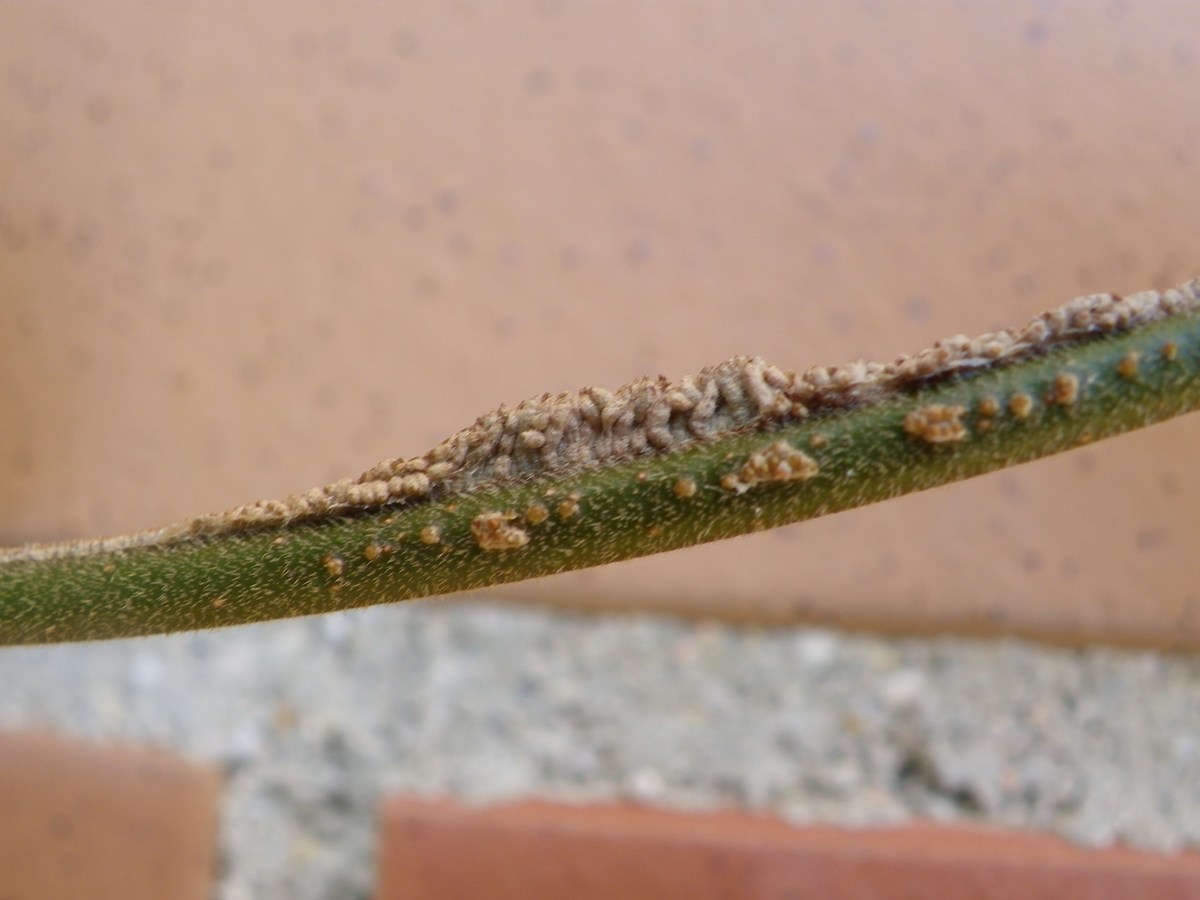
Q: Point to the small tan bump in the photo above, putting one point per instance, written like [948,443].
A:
[685,488]
[431,534]
[568,508]
[333,564]
[1020,405]
[536,514]
[1065,389]
[988,406]
[375,551]
[1170,351]
[937,423]
[1127,367]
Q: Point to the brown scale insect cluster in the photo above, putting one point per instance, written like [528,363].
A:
[496,531]
[779,461]
[568,432]
[937,424]
[595,427]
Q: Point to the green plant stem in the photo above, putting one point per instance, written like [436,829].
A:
[1105,386]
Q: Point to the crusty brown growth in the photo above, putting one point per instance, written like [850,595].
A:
[937,423]
[495,531]
[568,508]
[333,564]
[1020,405]
[988,406]
[570,432]
[779,461]
[1065,389]
[595,427]
[431,534]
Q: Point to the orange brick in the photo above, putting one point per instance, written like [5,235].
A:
[85,820]
[443,851]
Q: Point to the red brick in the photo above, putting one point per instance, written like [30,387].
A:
[81,820]
[443,851]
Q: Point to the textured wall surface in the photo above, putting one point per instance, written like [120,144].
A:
[248,250]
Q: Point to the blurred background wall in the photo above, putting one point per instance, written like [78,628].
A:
[246,249]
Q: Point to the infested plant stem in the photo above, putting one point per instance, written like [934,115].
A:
[569,481]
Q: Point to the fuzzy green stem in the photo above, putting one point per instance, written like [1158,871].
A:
[918,438]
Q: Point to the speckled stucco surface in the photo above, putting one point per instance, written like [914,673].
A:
[314,721]
[244,252]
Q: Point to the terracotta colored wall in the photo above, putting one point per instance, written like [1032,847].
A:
[249,249]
